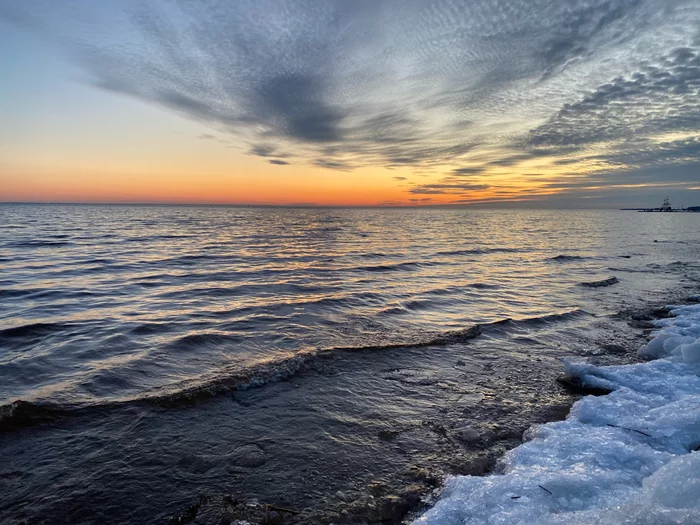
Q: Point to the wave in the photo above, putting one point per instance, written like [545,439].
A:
[603,282]
[483,286]
[480,251]
[37,244]
[540,320]
[568,258]
[404,266]
[194,341]
[32,330]
[9,292]
[21,413]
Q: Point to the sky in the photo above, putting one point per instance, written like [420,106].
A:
[524,103]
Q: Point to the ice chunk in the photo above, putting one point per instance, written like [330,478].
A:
[625,458]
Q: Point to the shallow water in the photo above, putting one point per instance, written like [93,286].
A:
[134,334]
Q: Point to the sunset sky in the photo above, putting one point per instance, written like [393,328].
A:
[577,103]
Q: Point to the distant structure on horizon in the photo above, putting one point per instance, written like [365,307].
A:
[667,208]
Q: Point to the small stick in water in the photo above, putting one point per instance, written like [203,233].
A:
[630,429]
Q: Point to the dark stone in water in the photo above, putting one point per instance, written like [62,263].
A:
[576,386]
[661,312]
[389,509]
[423,475]
[388,435]
[475,466]
[613,348]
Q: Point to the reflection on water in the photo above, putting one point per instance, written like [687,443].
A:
[102,303]
[130,332]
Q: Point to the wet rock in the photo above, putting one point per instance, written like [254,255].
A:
[576,386]
[661,312]
[467,435]
[247,456]
[595,352]
[613,348]
[344,496]
[388,435]
[390,508]
[473,436]
[436,427]
[474,466]
[487,437]
[642,325]
[507,433]
[378,487]
[641,315]
[470,400]
[553,412]
[423,475]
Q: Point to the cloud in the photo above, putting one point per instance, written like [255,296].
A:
[446,188]
[658,98]
[261,150]
[469,170]
[332,164]
[469,88]
[278,162]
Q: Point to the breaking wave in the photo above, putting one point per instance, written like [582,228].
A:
[602,283]
[23,413]
[568,258]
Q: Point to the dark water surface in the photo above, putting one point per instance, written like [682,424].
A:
[160,362]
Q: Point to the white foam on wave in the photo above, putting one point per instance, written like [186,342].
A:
[625,458]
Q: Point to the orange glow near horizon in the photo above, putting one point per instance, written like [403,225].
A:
[165,161]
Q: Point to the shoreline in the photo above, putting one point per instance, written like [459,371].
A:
[482,395]
[381,502]
[551,453]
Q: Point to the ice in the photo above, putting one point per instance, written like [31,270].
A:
[625,458]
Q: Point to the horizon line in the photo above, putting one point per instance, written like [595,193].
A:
[497,204]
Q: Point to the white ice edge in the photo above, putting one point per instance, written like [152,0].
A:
[582,471]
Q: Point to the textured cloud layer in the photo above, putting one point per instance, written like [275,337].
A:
[465,87]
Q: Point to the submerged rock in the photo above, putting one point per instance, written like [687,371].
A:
[247,456]
[613,348]
[576,386]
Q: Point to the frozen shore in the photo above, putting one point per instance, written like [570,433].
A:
[629,457]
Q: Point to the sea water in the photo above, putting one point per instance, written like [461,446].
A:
[152,356]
